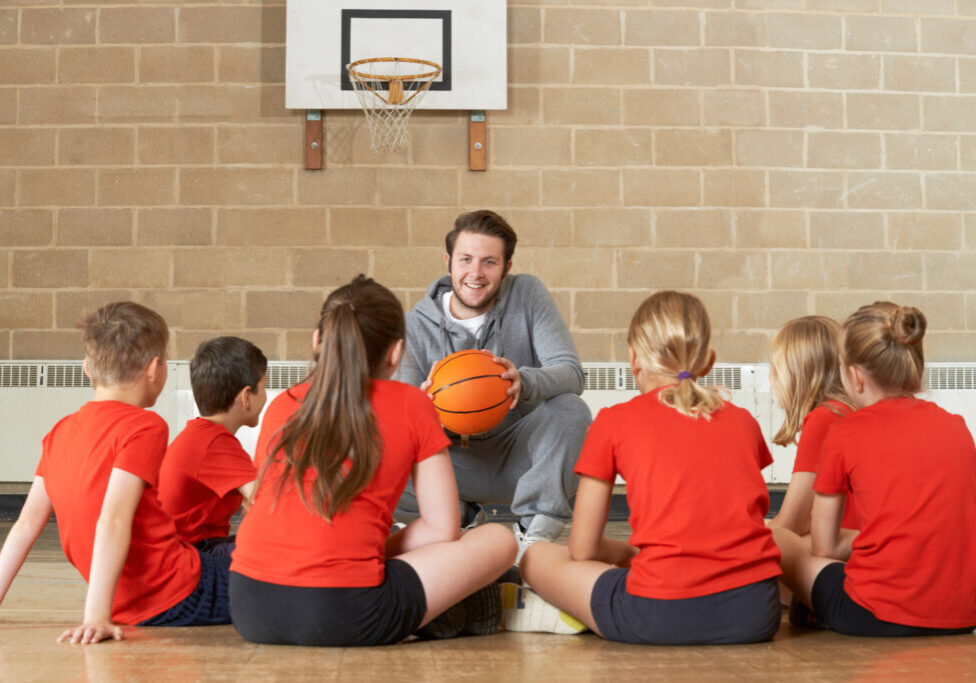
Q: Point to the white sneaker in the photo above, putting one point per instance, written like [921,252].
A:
[524,610]
[540,529]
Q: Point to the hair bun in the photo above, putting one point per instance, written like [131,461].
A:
[908,325]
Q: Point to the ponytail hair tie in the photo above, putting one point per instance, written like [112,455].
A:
[684,374]
[351,307]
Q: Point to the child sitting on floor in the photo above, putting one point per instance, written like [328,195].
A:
[315,562]
[701,566]
[98,473]
[804,372]
[912,469]
[206,474]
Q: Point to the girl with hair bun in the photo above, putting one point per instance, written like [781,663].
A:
[700,566]
[804,372]
[315,562]
[912,468]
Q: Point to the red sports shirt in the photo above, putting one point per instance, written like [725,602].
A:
[199,479]
[281,541]
[912,467]
[77,459]
[697,498]
[812,435]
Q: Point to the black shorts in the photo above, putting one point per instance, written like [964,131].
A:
[208,604]
[834,606]
[299,615]
[747,614]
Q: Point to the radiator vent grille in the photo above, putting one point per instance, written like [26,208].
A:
[65,375]
[949,377]
[19,375]
[285,375]
[606,377]
[728,377]
[52,375]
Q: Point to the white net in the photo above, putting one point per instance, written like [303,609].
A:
[389,89]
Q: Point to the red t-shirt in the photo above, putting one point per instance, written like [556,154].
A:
[912,467]
[77,459]
[696,495]
[281,541]
[812,435]
[199,478]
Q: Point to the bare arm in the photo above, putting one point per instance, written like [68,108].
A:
[586,539]
[797,504]
[437,499]
[825,537]
[247,490]
[33,516]
[113,534]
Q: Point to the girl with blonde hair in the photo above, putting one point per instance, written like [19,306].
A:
[700,566]
[805,378]
[315,563]
[912,467]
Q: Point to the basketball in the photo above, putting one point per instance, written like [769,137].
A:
[468,392]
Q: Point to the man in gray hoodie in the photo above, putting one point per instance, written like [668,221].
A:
[526,461]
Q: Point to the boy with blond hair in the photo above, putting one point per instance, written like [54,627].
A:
[206,473]
[98,473]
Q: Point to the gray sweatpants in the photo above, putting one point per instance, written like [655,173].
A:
[529,466]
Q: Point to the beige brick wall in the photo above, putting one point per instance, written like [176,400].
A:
[776,157]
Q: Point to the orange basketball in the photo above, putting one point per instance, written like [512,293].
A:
[468,392]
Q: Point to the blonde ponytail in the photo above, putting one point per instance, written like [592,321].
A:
[671,335]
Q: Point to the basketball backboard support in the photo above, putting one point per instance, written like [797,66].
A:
[468,38]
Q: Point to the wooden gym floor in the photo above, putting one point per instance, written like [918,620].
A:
[48,596]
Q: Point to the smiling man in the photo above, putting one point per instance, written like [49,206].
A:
[526,461]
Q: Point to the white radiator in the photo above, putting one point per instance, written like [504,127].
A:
[36,394]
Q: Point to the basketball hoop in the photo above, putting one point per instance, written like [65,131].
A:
[389,89]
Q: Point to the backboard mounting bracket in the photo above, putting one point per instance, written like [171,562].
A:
[314,140]
[477,141]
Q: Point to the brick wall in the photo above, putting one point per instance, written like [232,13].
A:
[777,157]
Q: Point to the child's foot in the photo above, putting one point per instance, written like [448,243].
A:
[802,616]
[477,615]
[524,610]
[482,611]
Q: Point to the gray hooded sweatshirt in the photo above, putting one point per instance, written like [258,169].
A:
[523,326]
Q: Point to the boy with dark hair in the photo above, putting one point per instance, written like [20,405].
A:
[206,474]
[98,473]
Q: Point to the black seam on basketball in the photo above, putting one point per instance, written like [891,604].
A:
[459,355]
[462,381]
[479,410]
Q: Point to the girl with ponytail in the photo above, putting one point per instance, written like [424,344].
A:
[315,562]
[700,566]
[912,468]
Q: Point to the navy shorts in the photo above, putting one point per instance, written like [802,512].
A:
[300,615]
[208,604]
[747,614]
[833,605]
[217,546]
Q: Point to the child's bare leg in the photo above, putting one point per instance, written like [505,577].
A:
[452,571]
[800,567]
[561,581]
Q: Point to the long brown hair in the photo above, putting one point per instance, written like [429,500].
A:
[803,357]
[885,339]
[334,432]
[670,333]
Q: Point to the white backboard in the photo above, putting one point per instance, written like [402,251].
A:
[466,37]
